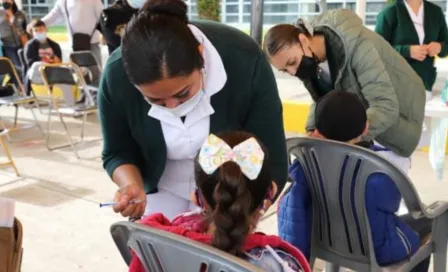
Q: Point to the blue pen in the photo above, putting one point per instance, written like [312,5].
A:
[111,204]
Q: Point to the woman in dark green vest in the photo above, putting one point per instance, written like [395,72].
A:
[417,30]
[170,86]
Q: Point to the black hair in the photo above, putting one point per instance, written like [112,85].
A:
[232,197]
[37,23]
[158,43]
[340,116]
[281,36]
[15,8]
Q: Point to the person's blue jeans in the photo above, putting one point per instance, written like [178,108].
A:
[11,53]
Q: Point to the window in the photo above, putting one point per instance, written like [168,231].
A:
[375,6]
[284,8]
[335,5]
[371,19]
[351,6]
[232,8]
[309,8]
[232,19]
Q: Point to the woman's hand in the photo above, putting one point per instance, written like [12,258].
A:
[434,49]
[131,191]
[419,52]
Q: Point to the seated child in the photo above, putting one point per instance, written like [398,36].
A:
[340,116]
[234,181]
[41,48]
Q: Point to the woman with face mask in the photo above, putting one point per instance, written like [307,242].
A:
[336,51]
[12,30]
[172,84]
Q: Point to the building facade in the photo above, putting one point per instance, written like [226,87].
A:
[237,12]
[39,8]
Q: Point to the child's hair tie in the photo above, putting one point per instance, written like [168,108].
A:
[248,155]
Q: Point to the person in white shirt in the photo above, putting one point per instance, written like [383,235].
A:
[80,16]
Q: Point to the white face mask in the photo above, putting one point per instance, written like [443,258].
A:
[184,108]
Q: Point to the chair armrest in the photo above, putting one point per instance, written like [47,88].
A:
[435,209]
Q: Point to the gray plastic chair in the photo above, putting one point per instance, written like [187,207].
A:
[161,251]
[336,174]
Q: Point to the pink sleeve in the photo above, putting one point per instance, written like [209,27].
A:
[136,265]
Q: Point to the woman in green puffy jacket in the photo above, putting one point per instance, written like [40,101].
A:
[336,51]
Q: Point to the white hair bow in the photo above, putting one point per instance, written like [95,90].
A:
[248,155]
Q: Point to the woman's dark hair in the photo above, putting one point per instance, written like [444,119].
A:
[232,197]
[281,36]
[158,44]
[15,8]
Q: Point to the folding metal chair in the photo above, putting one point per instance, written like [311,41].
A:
[161,251]
[86,61]
[4,145]
[337,174]
[19,98]
[65,76]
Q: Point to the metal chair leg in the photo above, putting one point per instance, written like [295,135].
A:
[3,127]
[68,136]
[47,137]
[36,121]
[8,155]
[16,115]
[84,119]
[37,102]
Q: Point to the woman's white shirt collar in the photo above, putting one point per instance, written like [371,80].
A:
[215,76]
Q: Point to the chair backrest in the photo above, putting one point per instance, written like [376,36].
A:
[337,174]
[8,68]
[161,251]
[62,75]
[22,60]
[86,59]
